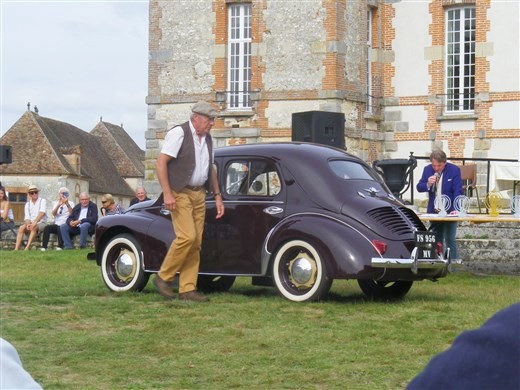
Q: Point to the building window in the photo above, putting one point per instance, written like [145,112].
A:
[460,60]
[370,102]
[239,57]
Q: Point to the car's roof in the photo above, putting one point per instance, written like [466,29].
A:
[308,164]
[285,150]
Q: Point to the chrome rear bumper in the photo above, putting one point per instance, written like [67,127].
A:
[412,263]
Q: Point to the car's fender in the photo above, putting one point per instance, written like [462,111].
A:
[345,250]
[113,225]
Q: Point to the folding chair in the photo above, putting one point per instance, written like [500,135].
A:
[469,181]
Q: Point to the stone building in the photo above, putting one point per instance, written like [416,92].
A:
[407,75]
[52,154]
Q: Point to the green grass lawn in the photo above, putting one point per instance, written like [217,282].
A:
[73,333]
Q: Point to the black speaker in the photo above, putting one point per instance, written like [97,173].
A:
[322,127]
[6,154]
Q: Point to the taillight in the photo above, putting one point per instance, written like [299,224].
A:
[439,248]
[380,246]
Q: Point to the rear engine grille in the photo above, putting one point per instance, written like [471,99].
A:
[390,218]
[413,218]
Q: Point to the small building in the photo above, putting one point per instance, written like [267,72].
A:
[52,154]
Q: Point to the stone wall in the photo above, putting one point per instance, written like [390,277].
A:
[8,241]
[306,56]
[490,248]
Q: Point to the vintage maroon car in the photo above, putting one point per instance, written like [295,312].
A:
[298,216]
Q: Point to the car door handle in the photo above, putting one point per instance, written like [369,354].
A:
[272,210]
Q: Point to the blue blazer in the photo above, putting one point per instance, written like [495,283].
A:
[451,184]
[92,214]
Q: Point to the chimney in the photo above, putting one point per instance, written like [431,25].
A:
[73,157]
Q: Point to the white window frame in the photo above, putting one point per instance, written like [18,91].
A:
[460,60]
[238,94]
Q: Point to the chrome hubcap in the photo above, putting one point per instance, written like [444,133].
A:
[302,270]
[125,265]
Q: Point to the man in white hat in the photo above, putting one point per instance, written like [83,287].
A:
[35,217]
[185,171]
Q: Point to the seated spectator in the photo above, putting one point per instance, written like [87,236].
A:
[61,210]
[35,217]
[110,207]
[82,220]
[6,214]
[140,196]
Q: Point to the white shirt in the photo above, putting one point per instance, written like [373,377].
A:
[83,213]
[62,214]
[172,145]
[33,209]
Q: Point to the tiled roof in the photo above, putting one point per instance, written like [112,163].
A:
[124,152]
[39,146]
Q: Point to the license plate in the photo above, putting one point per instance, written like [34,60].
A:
[425,238]
[426,245]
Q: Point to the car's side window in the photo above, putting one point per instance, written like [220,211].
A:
[258,178]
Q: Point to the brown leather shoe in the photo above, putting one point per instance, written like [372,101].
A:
[193,296]
[163,287]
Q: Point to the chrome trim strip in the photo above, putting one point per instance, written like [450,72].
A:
[377,262]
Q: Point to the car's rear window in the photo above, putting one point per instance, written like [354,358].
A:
[349,170]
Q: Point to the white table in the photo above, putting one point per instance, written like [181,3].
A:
[504,176]
[473,218]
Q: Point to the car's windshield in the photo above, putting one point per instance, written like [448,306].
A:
[349,170]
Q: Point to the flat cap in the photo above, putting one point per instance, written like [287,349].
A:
[204,108]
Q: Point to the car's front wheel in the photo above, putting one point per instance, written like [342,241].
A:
[122,266]
[215,283]
[299,272]
[384,290]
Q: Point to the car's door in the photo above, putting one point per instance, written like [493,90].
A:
[254,198]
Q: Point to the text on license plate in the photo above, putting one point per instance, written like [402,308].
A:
[426,245]
[423,238]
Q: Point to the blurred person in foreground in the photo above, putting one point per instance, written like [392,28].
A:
[185,171]
[442,178]
[12,374]
[484,358]
[35,218]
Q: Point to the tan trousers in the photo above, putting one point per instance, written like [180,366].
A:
[184,253]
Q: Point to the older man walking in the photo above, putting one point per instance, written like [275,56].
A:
[185,171]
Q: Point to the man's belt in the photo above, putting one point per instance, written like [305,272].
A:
[195,188]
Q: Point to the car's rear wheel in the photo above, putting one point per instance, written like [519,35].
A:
[215,283]
[122,266]
[299,273]
[384,290]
